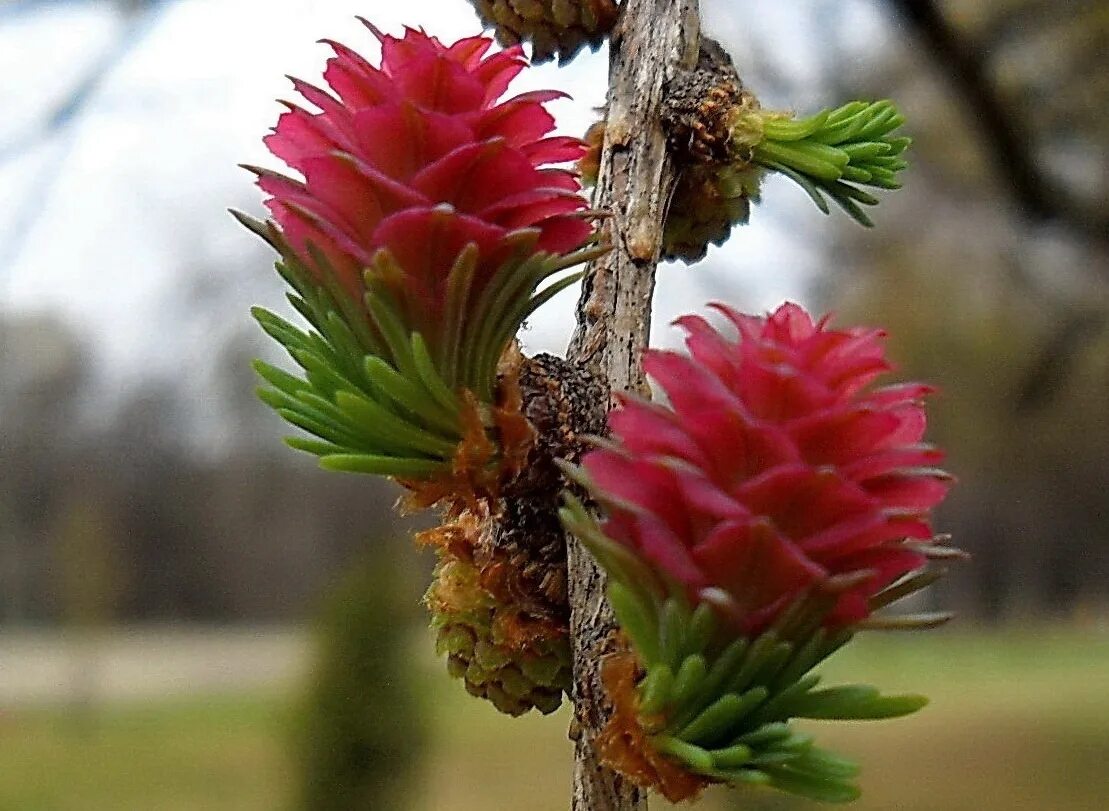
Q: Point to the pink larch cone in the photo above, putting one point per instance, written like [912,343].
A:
[421,157]
[774,468]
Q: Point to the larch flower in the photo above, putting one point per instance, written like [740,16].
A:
[421,156]
[425,212]
[773,468]
[751,526]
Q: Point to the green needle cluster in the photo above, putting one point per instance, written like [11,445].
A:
[382,391]
[727,705]
[721,703]
[837,152]
[367,414]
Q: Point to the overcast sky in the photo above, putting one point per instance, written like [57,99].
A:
[117,217]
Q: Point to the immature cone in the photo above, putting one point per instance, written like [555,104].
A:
[499,600]
[716,183]
[751,527]
[589,165]
[723,142]
[553,27]
[709,198]
[420,157]
[708,201]
[516,659]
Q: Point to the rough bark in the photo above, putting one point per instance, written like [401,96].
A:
[526,552]
[652,39]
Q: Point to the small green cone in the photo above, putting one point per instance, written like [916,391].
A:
[516,660]
[702,112]
[555,28]
[708,200]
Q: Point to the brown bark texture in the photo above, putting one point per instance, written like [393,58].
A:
[652,40]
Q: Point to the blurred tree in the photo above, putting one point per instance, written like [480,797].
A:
[1031,76]
[363,729]
[244,534]
[88,581]
[241,535]
[90,574]
[137,18]
[43,371]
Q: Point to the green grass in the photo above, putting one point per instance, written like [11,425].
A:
[219,753]
[1018,722]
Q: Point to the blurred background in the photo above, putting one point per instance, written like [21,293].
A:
[194,617]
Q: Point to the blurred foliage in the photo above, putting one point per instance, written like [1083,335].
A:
[363,730]
[999,300]
[1031,75]
[1017,721]
[90,574]
[242,533]
[1050,54]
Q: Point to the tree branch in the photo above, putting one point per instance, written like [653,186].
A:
[651,40]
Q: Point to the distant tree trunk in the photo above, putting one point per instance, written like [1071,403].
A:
[652,39]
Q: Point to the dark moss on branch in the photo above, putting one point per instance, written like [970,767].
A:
[565,404]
